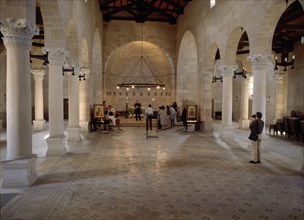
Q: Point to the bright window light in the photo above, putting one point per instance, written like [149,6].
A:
[212,3]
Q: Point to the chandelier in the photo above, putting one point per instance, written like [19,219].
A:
[141,75]
[284,62]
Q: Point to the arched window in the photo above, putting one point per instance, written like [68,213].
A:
[212,3]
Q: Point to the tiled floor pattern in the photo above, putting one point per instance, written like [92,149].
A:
[182,176]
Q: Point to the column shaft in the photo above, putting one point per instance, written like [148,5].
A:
[38,77]
[56,61]
[260,65]
[244,99]
[227,74]
[17,40]
[84,106]
[55,100]
[73,101]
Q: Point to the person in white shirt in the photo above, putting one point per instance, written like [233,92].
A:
[149,115]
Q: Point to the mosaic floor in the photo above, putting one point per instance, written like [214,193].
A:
[182,175]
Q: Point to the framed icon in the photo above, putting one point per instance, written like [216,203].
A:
[98,111]
[192,112]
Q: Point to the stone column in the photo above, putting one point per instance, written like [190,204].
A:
[39,122]
[227,73]
[207,99]
[74,128]
[56,140]
[84,105]
[260,63]
[244,120]
[18,167]
[280,104]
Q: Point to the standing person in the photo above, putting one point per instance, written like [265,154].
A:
[163,117]
[184,118]
[137,110]
[172,116]
[256,127]
[149,115]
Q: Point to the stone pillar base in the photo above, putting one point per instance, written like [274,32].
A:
[74,134]
[244,124]
[19,173]
[56,146]
[208,125]
[84,125]
[226,133]
[39,125]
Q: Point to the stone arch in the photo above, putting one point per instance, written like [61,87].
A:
[118,46]
[97,72]
[52,24]
[263,42]
[210,57]
[187,77]
[124,61]
[232,44]
[72,44]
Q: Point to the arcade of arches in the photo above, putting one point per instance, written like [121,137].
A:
[205,43]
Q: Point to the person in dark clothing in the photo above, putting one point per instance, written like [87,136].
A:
[256,127]
[184,118]
[137,110]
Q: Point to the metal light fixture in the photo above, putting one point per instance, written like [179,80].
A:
[241,73]
[136,78]
[284,62]
[215,79]
[66,70]
[81,77]
[43,57]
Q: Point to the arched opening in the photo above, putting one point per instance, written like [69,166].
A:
[124,64]
[288,93]
[96,73]
[187,78]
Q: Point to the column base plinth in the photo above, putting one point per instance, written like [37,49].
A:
[74,134]
[208,125]
[244,124]
[84,125]
[39,125]
[56,146]
[226,132]
[18,173]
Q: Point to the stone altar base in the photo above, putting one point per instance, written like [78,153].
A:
[19,173]
[39,125]
[56,146]
[74,134]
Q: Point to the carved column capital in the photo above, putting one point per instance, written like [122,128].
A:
[18,32]
[84,70]
[227,70]
[56,55]
[260,61]
[38,74]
